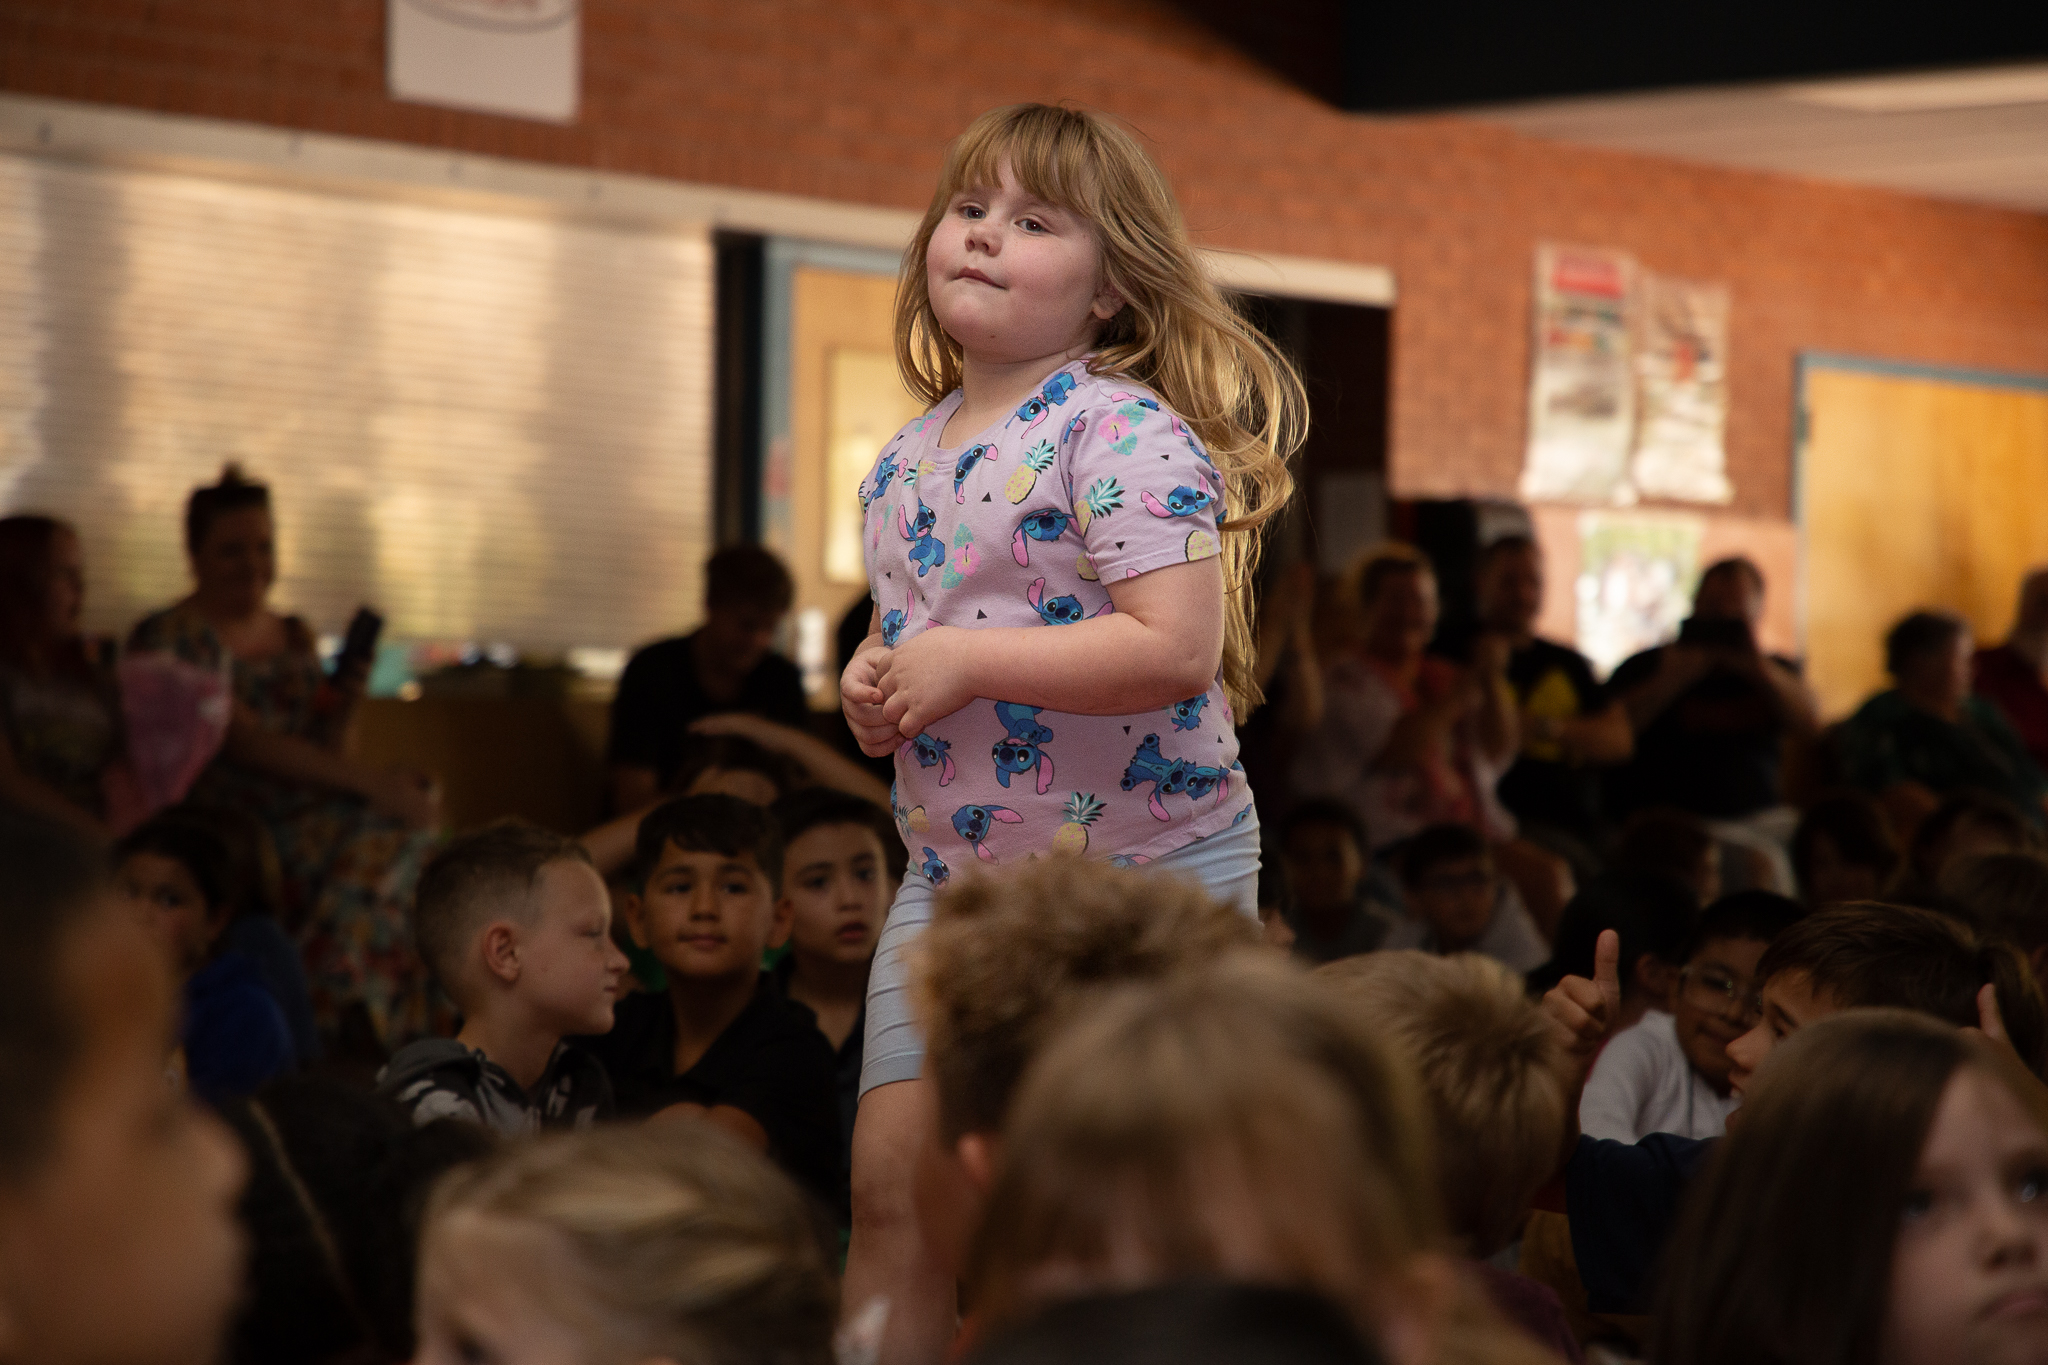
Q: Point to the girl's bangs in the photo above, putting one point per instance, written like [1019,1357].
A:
[1047,155]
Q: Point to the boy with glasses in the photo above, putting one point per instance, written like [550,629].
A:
[1458,904]
[1669,1072]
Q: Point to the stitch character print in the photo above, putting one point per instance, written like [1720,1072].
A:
[1087,483]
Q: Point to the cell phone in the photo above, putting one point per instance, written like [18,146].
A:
[359,646]
[1716,633]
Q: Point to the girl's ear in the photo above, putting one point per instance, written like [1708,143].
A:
[1109,301]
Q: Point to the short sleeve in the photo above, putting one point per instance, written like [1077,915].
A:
[1144,493]
[1613,1101]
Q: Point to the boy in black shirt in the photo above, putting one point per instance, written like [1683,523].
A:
[721,1044]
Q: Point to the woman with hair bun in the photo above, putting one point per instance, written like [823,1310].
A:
[351,839]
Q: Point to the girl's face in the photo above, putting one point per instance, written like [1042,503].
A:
[167,898]
[1970,1268]
[1015,279]
[237,561]
[133,1208]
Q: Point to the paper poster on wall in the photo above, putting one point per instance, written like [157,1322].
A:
[1681,341]
[1637,571]
[1581,388]
[519,57]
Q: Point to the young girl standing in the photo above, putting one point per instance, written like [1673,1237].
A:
[1060,556]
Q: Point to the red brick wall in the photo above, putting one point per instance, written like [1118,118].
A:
[855,100]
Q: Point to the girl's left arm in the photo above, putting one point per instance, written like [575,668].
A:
[1162,644]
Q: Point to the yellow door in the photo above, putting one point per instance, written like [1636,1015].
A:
[1916,490]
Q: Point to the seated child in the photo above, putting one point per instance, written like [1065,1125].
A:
[1844,850]
[1325,850]
[337,1180]
[649,1244]
[1493,1071]
[1651,913]
[117,1194]
[1668,1073]
[1963,825]
[1623,1196]
[721,1043]
[177,874]
[1007,960]
[1879,1201]
[1456,903]
[836,891]
[2006,896]
[1238,1123]
[515,924]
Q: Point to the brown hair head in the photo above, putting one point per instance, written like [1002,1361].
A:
[2004,894]
[233,493]
[1238,1121]
[1006,958]
[1783,1252]
[1868,954]
[691,1247]
[478,877]
[1492,1067]
[1175,333]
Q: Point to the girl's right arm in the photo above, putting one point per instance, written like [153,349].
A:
[860,699]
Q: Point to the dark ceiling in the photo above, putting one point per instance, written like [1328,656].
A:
[1385,58]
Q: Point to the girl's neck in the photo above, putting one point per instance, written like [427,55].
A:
[990,388]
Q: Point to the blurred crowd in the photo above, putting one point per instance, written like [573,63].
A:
[1638,1018]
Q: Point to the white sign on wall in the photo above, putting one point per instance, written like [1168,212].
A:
[520,57]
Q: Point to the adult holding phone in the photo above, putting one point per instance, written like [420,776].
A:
[1712,713]
[350,838]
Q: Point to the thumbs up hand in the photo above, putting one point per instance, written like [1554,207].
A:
[1587,1010]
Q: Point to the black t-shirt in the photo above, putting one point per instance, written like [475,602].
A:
[659,695]
[848,1063]
[771,1063]
[1553,681]
[1714,751]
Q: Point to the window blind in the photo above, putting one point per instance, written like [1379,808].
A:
[493,427]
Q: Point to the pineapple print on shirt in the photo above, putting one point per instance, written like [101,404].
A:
[1089,482]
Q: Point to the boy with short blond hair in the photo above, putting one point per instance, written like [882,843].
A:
[1007,959]
[1494,1069]
[721,1044]
[515,924]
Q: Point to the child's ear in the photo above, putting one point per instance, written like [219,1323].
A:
[501,951]
[782,919]
[634,909]
[1109,301]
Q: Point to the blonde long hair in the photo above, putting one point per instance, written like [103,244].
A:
[1176,333]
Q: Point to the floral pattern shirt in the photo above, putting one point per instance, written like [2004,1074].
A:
[1090,481]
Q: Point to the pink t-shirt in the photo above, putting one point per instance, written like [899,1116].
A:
[1091,480]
